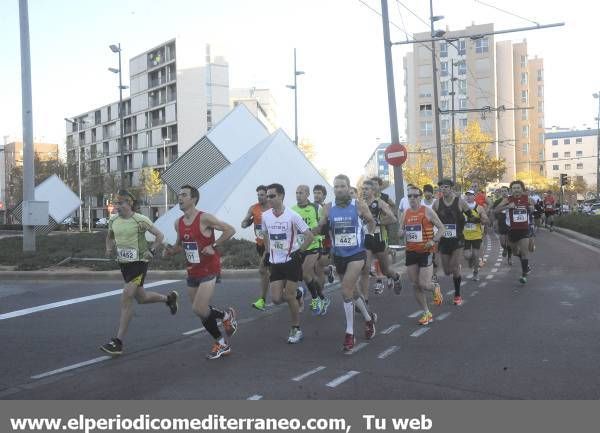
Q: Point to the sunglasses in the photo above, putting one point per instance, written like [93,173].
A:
[271,196]
[414,195]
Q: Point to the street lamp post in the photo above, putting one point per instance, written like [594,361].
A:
[435,107]
[78,123]
[597,96]
[117,49]
[165,141]
[294,87]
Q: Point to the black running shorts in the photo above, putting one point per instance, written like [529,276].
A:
[475,244]
[375,244]
[421,259]
[341,263]
[517,235]
[134,271]
[448,245]
[288,271]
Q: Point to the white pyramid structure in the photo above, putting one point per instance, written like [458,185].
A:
[230,193]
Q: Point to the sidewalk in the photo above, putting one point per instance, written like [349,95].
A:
[588,240]
[84,274]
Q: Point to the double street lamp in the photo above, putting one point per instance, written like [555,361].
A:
[165,141]
[294,87]
[78,123]
[597,96]
[117,49]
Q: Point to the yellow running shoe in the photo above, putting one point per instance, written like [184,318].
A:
[438,298]
[426,318]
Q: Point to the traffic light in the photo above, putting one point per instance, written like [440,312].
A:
[563,179]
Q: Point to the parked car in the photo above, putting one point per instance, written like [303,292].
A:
[595,209]
[102,223]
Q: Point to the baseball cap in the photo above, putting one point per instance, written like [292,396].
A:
[446,181]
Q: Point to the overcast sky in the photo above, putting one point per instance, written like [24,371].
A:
[342,96]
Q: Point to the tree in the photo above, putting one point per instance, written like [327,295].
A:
[578,185]
[473,160]
[150,183]
[421,170]
[534,180]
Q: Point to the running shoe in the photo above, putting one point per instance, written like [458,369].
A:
[325,302]
[397,285]
[295,336]
[438,298]
[114,347]
[434,278]
[316,306]
[259,304]
[218,350]
[349,341]
[475,276]
[378,289]
[528,270]
[390,283]
[230,325]
[172,301]
[509,261]
[329,272]
[472,261]
[370,326]
[218,279]
[458,300]
[523,279]
[426,318]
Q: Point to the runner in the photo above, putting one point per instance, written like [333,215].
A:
[254,216]
[538,212]
[502,227]
[344,218]
[450,210]
[196,237]
[519,208]
[353,192]
[126,232]
[310,213]
[284,254]
[324,266]
[550,210]
[378,184]
[417,228]
[427,201]
[473,233]
[375,243]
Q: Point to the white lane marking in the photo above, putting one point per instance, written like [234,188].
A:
[387,352]
[474,293]
[415,314]
[255,397]
[483,284]
[390,329]
[358,347]
[339,380]
[420,331]
[59,304]
[308,373]
[566,304]
[443,316]
[449,292]
[494,270]
[194,331]
[463,283]
[486,256]
[489,277]
[72,367]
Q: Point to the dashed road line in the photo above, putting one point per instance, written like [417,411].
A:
[489,277]
[443,315]
[339,380]
[475,292]
[255,397]
[420,331]
[483,284]
[358,347]
[494,270]
[390,329]
[415,314]
[449,292]
[72,367]
[308,373]
[387,352]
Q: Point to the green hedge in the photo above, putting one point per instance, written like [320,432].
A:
[586,224]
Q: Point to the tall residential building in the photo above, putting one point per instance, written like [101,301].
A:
[486,78]
[573,152]
[377,165]
[260,102]
[176,96]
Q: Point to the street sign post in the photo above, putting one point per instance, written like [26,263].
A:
[396,154]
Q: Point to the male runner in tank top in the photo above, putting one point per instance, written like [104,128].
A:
[281,226]
[519,208]
[254,216]
[126,234]
[417,228]
[196,236]
[375,243]
[344,219]
[473,233]
[450,208]
[324,268]
[310,213]
[427,201]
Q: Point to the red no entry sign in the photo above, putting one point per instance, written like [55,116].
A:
[396,154]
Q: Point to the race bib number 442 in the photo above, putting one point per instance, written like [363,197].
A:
[130,254]
[345,237]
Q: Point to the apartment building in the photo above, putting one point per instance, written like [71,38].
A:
[176,96]
[260,102]
[572,151]
[377,165]
[487,88]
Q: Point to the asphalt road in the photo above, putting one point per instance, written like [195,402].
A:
[508,341]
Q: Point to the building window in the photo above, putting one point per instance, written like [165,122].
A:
[524,78]
[579,153]
[462,87]
[462,68]
[525,147]
[443,49]
[540,73]
[567,141]
[481,45]
[524,115]
[425,110]
[381,168]
[540,91]
[580,166]
[426,128]
[525,131]
[524,97]
[444,104]
[108,165]
[555,167]
[554,154]
[540,122]
[462,47]
[445,126]
[567,166]
[444,69]
[579,140]
[567,154]
[579,178]
[462,103]
[463,123]
[554,142]
[540,106]
[524,61]
[541,138]
[444,88]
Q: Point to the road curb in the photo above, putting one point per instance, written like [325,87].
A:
[578,236]
[91,275]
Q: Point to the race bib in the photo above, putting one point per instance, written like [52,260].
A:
[520,215]
[130,254]
[450,230]
[300,238]
[470,226]
[414,233]
[345,237]
[258,231]
[191,252]
[279,241]
[549,206]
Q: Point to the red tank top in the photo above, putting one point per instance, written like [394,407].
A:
[257,218]
[418,229]
[549,204]
[193,241]
[519,216]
